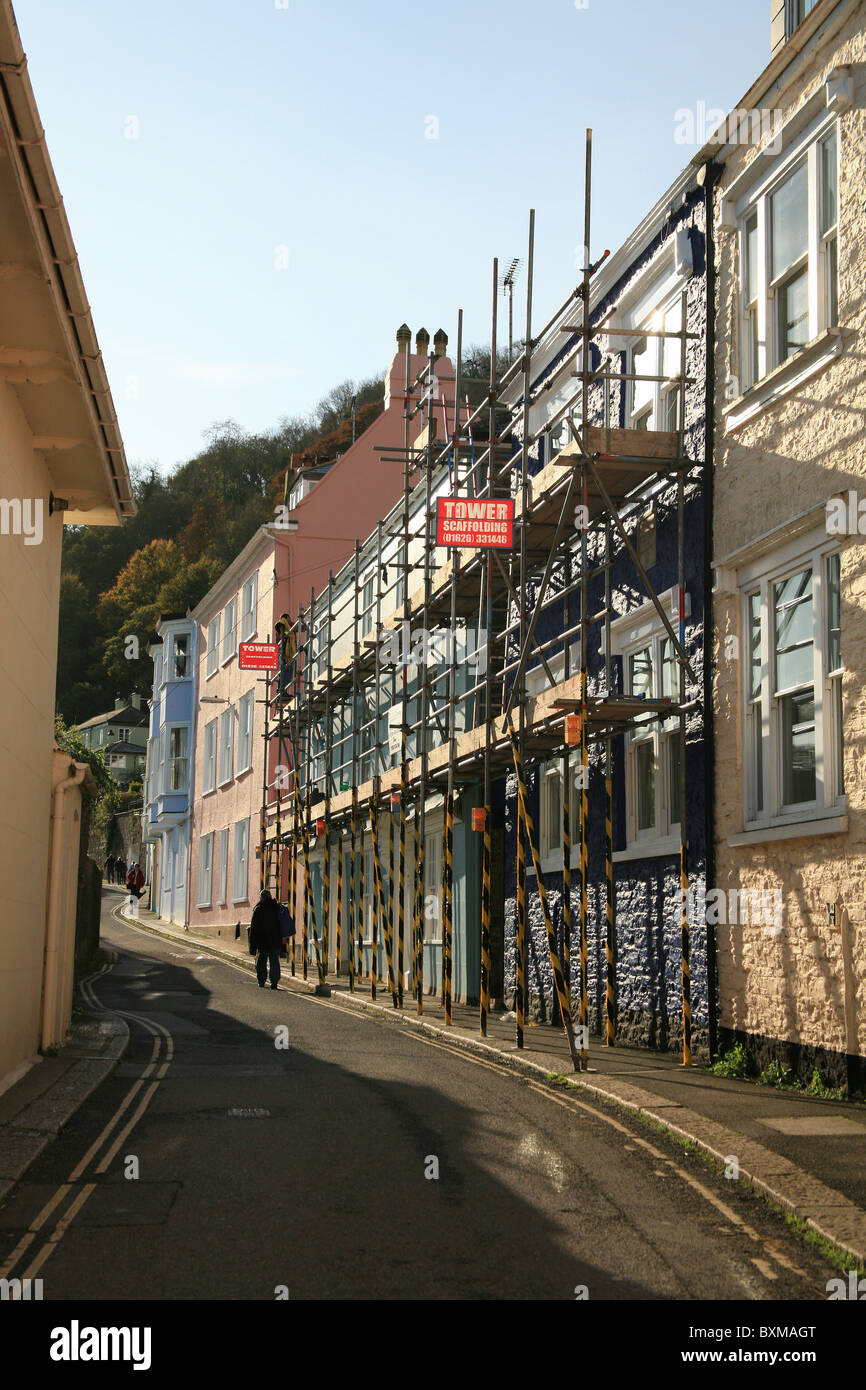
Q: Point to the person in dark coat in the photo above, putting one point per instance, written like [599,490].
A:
[120,870]
[109,869]
[265,939]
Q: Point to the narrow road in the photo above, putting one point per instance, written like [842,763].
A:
[216,1164]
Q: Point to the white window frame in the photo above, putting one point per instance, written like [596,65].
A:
[818,259]
[224,863]
[241,889]
[171,760]
[211,749]
[213,646]
[230,631]
[246,709]
[205,870]
[662,359]
[249,607]
[226,756]
[181,637]
[629,635]
[762,576]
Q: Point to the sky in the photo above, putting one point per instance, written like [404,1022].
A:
[261,191]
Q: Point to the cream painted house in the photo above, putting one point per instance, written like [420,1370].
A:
[789,561]
[61,459]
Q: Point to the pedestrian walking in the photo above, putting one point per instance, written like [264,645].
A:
[120,870]
[265,939]
[109,869]
[135,880]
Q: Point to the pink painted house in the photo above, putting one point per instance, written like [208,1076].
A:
[274,575]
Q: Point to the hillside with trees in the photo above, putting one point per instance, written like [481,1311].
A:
[189,527]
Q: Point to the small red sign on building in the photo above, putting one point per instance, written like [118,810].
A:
[473,522]
[258,656]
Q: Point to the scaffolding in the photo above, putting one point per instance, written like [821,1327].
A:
[380,702]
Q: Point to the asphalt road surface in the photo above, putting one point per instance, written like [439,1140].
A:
[216,1164]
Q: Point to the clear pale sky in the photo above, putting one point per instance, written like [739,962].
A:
[282,209]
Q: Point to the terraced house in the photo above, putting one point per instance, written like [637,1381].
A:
[790,638]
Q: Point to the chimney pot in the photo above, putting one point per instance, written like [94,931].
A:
[440,342]
[422,342]
[404,336]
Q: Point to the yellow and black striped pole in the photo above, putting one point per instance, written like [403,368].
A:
[420,915]
[326,891]
[380,899]
[555,964]
[352,896]
[374,915]
[448,905]
[584,864]
[566,870]
[339,948]
[485,923]
[362,892]
[520,964]
[401,889]
[390,872]
[610,1022]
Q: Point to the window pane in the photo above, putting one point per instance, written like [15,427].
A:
[673,322]
[750,270]
[792,316]
[757,754]
[834,615]
[642,365]
[754,644]
[831,267]
[793,635]
[641,673]
[828,184]
[798,748]
[646,785]
[788,221]
[671,410]
[837,711]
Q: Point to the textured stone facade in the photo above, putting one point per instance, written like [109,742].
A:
[800,993]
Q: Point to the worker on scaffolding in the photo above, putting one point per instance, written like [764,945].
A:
[288,651]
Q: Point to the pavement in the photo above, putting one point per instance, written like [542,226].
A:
[40,1105]
[807,1156]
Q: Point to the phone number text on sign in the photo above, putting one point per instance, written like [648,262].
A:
[474,523]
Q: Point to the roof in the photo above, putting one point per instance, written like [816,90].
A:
[50,356]
[127,714]
[121,746]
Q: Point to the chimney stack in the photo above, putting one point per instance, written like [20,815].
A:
[404,337]
[422,342]
[440,342]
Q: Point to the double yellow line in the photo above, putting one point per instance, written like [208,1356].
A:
[49,1228]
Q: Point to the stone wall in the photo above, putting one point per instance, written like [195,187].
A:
[785,991]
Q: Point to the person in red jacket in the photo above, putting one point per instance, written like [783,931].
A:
[135,881]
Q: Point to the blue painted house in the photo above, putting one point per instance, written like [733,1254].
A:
[167,787]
